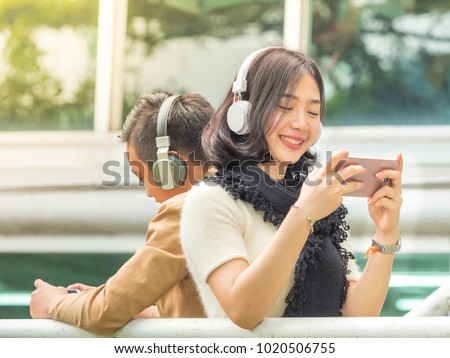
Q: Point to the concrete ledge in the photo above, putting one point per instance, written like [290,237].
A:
[128,211]
[57,159]
[76,212]
[56,244]
[129,243]
[358,327]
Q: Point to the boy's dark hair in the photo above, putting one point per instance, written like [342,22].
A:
[271,74]
[188,117]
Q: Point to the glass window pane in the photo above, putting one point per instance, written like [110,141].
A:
[385,61]
[195,46]
[47,64]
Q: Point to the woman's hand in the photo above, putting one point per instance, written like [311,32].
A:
[384,205]
[324,187]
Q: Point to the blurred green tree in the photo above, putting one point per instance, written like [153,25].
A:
[31,97]
[379,70]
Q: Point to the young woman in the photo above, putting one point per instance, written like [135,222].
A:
[265,235]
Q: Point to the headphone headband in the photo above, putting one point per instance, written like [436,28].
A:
[240,84]
[163,115]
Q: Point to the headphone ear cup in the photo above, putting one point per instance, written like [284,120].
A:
[318,135]
[169,173]
[179,170]
[237,117]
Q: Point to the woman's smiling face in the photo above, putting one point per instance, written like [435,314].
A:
[296,124]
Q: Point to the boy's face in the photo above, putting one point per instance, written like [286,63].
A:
[144,174]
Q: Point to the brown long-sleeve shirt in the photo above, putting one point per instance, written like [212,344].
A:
[156,274]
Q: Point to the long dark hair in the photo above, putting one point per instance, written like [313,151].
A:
[271,74]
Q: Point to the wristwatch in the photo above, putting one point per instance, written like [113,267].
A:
[387,249]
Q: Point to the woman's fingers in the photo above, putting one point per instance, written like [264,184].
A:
[399,158]
[387,203]
[335,159]
[339,176]
[348,187]
[385,192]
[348,172]
[329,175]
[395,176]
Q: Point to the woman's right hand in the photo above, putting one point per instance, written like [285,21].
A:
[324,187]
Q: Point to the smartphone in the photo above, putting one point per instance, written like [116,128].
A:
[72,290]
[371,182]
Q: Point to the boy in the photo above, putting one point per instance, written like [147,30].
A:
[155,281]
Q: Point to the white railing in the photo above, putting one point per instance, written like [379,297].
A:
[361,327]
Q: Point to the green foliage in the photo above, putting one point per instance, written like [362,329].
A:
[150,23]
[30,97]
[52,13]
[170,19]
[402,85]
[367,88]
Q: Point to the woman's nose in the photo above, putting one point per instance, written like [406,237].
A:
[299,121]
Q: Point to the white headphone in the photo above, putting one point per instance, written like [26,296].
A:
[239,111]
[169,170]
[237,115]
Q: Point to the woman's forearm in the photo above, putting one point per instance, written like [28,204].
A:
[366,296]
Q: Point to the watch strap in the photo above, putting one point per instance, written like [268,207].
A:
[387,249]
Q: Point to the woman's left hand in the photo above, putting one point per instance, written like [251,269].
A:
[384,205]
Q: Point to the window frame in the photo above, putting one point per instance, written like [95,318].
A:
[111,41]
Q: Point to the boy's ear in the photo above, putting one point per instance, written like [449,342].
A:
[174,152]
[177,155]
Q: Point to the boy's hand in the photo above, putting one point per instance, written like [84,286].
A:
[42,296]
[80,287]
